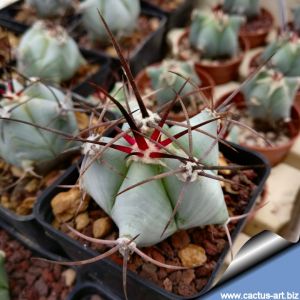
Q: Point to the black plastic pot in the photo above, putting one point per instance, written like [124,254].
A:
[85,289]
[178,18]
[38,248]
[108,272]
[8,14]
[146,53]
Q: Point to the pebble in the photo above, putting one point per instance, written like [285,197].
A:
[102,227]
[69,276]
[82,220]
[180,239]
[192,256]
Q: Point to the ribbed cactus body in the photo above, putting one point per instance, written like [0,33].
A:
[215,35]
[168,84]
[26,146]
[248,8]
[4,288]
[286,58]
[145,210]
[120,15]
[49,8]
[270,96]
[46,51]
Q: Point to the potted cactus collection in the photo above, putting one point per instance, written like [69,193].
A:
[259,20]
[212,43]
[266,104]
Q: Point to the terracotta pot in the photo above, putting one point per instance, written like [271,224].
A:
[208,85]
[222,71]
[277,153]
[254,63]
[258,37]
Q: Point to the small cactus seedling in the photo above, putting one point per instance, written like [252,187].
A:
[287,55]
[24,145]
[215,34]
[49,8]
[4,288]
[47,51]
[270,96]
[248,8]
[121,15]
[165,80]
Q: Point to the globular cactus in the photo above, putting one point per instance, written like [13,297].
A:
[137,210]
[270,96]
[248,8]
[49,8]
[215,34]
[167,84]
[4,287]
[286,56]
[47,51]
[296,18]
[120,15]
[30,147]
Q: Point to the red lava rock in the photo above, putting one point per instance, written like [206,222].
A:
[175,277]
[155,254]
[41,287]
[149,271]
[168,285]
[210,248]
[186,289]
[162,273]
[31,279]
[201,283]
[180,239]
[167,249]
[188,276]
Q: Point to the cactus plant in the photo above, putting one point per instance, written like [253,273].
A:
[296,18]
[121,16]
[168,84]
[4,288]
[270,96]
[215,34]
[26,146]
[287,55]
[49,8]
[248,8]
[47,51]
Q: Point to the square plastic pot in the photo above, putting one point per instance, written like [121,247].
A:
[108,272]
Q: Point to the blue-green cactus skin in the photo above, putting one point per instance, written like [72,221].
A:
[286,56]
[49,8]
[120,15]
[167,84]
[215,35]
[270,96]
[28,147]
[248,8]
[46,51]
